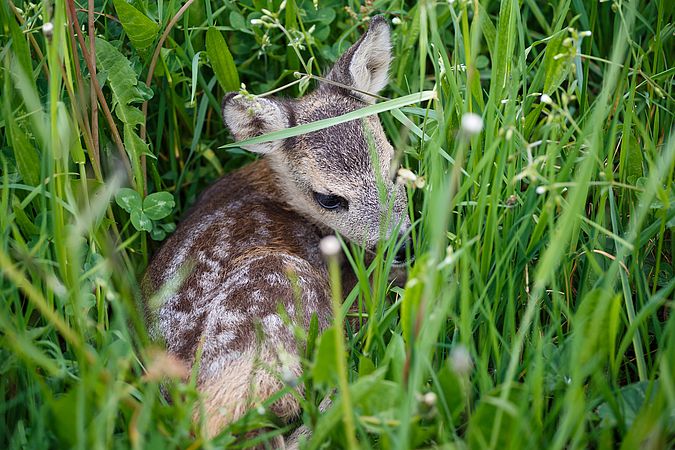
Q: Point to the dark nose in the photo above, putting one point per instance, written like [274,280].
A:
[405,252]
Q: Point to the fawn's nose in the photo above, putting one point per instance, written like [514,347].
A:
[405,252]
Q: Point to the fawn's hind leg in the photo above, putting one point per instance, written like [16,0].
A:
[245,382]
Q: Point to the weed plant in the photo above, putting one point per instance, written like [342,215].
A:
[538,313]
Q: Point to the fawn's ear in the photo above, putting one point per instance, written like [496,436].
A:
[365,65]
[250,117]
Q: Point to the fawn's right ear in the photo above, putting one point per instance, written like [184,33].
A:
[250,117]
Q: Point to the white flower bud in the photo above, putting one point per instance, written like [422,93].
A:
[429,399]
[48,29]
[461,361]
[545,98]
[472,124]
[405,176]
[540,190]
[396,21]
[329,246]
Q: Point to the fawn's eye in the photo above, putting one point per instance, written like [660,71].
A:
[330,201]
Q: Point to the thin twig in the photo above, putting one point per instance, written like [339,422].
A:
[92,93]
[148,80]
[80,112]
[99,93]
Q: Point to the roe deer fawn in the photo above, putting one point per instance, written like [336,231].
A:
[251,242]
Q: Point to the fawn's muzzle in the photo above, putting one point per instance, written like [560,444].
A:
[405,252]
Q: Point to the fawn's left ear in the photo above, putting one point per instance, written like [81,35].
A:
[365,65]
[250,117]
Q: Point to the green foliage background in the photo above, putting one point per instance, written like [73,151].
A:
[539,312]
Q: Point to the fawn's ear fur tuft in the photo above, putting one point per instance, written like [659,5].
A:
[250,117]
[365,65]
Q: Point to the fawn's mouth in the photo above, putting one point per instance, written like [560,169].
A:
[404,255]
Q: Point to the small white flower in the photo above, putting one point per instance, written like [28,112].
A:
[405,176]
[260,410]
[461,361]
[585,34]
[540,190]
[545,98]
[396,21]
[256,22]
[48,29]
[472,124]
[429,399]
[329,246]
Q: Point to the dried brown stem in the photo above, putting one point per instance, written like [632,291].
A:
[92,93]
[88,56]
[148,80]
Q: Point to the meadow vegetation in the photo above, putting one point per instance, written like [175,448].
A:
[538,312]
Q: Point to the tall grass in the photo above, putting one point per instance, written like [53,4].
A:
[538,313]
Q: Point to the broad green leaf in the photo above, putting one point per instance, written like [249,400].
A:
[141,30]
[504,46]
[629,400]
[488,28]
[237,21]
[221,60]
[366,366]
[556,69]
[325,123]
[590,326]
[22,219]
[26,155]
[634,158]
[195,76]
[360,391]
[158,205]
[323,371]
[450,392]
[123,81]
[512,428]
[128,199]
[19,46]
[395,357]
[140,221]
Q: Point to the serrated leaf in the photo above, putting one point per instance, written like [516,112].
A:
[158,205]
[142,30]
[140,221]
[221,60]
[123,82]
[134,144]
[128,199]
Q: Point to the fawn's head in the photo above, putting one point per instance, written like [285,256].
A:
[342,177]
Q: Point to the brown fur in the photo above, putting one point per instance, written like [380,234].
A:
[251,243]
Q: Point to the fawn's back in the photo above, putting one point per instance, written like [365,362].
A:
[246,259]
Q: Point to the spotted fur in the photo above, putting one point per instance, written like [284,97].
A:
[250,246]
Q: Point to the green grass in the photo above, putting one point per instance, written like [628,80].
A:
[539,312]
